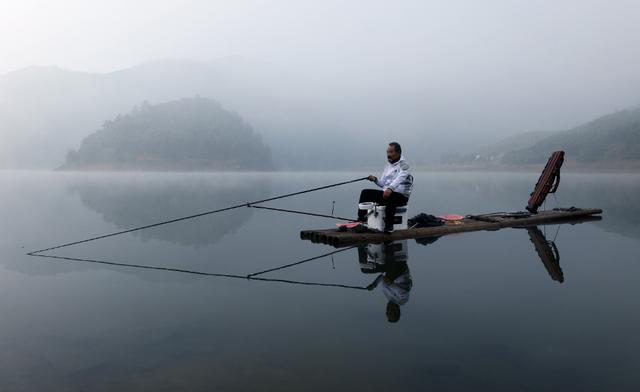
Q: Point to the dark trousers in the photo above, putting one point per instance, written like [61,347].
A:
[391,203]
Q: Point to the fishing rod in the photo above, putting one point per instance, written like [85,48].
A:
[201,273]
[247,204]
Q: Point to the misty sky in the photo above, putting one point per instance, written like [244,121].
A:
[535,54]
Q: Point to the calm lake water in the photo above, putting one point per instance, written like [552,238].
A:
[481,311]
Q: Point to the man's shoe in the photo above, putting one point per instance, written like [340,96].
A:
[388,231]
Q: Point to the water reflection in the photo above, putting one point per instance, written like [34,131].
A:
[389,261]
[548,253]
[130,201]
[249,277]
[99,329]
[386,265]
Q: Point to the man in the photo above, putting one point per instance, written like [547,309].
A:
[396,183]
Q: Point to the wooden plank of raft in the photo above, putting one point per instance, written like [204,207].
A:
[347,238]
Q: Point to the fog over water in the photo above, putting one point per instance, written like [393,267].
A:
[438,76]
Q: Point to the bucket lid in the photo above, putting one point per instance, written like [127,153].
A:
[367,205]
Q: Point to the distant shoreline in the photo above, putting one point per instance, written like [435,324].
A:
[568,166]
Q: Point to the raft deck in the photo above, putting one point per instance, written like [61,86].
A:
[496,221]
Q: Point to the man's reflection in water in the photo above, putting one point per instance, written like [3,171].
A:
[389,260]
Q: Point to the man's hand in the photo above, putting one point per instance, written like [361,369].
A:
[372,178]
[387,192]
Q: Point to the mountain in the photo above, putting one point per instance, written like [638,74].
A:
[610,139]
[189,134]
[46,111]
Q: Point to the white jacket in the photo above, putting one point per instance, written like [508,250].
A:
[397,177]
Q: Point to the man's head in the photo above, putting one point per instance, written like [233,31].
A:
[393,312]
[394,151]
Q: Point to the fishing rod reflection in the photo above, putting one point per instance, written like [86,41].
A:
[386,266]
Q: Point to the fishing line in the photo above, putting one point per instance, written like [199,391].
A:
[557,231]
[304,213]
[247,204]
[556,200]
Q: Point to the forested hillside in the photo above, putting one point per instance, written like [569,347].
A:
[189,134]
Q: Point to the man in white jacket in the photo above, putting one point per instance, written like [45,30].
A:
[396,183]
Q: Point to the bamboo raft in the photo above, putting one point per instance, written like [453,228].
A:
[491,222]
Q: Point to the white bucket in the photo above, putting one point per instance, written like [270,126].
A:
[375,216]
